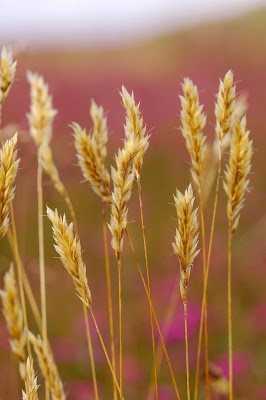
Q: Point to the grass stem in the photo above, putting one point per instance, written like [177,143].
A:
[186,341]
[149,287]
[230,342]
[109,294]
[154,316]
[90,352]
[207,272]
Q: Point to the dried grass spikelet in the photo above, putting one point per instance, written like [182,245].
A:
[8,172]
[42,112]
[123,178]
[31,386]
[14,318]
[91,153]
[48,367]
[225,105]
[7,73]
[69,249]
[46,159]
[186,239]
[237,170]
[134,126]
[193,122]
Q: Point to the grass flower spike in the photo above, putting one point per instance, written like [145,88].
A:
[134,126]
[14,318]
[123,179]
[69,249]
[48,367]
[8,172]
[91,153]
[7,73]
[193,122]
[186,239]
[225,105]
[42,113]
[31,386]
[237,170]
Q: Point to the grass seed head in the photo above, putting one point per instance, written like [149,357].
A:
[237,170]
[48,367]
[31,386]
[134,126]
[69,249]
[14,318]
[8,172]
[186,239]
[41,113]
[193,122]
[225,105]
[7,73]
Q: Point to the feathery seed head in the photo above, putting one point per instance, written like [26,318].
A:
[186,239]
[14,318]
[42,113]
[69,249]
[100,131]
[8,172]
[134,126]
[7,73]
[91,151]
[123,178]
[48,367]
[237,170]
[31,386]
[225,105]
[193,122]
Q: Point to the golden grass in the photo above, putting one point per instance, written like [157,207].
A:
[14,318]
[92,153]
[48,367]
[31,386]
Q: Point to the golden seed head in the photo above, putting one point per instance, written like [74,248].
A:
[186,238]
[48,367]
[237,170]
[31,386]
[100,131]
[69,249]
[123,178]
[7,73]
[134,126]
[193,122]
[8,172]
[91,153]
[225,105]
[14,318]
[42,113]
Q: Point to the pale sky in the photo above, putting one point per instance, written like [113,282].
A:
[109,21]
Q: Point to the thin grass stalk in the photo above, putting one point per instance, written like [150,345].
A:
[41,252]
[26,284]
[109,295]
[90,351]
[154,315]
[16,253]
[170,313]
[204,272]
[149,286]
[19,270]
[41,262]
[230,341]
[119,264]
[207,272]
[105,351]
[186,340]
